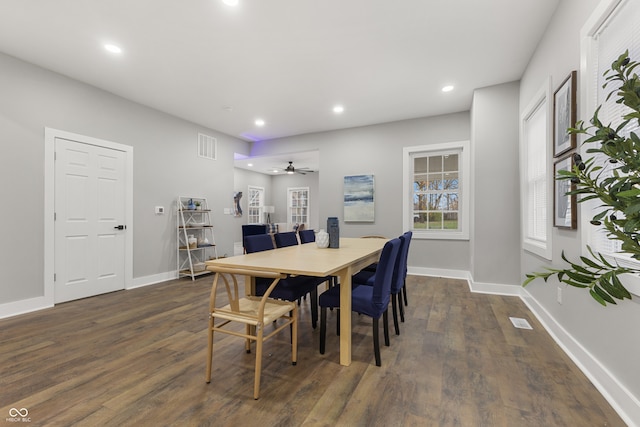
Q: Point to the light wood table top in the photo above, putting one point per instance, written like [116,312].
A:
[309,260]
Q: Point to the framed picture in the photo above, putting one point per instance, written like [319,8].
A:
[564,206]
[564,115]
[358,198]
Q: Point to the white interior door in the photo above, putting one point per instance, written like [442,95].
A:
[90,183]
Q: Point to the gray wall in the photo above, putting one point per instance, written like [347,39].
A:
[496,186]
[607,333]
[165,166]
[378,150]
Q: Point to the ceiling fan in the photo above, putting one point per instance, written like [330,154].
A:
[291,170]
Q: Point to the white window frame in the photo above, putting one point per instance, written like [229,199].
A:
[539,245]
[292,218]
[255,204]
[588,85]
[464,191]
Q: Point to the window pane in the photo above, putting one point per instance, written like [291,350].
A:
[435,181]
[450,181]
[450,221]
[420,202]
[435,221]
[420,164]
[451,162]
[435,164]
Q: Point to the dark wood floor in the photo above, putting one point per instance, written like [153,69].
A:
[137,358]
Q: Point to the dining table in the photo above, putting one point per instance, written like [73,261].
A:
[352,255]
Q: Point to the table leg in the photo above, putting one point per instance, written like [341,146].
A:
[345,316]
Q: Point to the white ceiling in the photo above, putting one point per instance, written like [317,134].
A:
[285,61]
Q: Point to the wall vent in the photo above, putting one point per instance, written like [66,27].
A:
[207,146]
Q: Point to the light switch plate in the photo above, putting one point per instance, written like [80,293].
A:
[159,210]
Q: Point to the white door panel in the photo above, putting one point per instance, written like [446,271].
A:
[89,206]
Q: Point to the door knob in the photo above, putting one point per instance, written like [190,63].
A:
[120,227]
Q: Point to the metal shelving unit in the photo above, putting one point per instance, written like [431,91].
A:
[194,236]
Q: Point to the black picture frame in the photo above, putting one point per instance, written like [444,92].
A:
[564,115]
[565,213]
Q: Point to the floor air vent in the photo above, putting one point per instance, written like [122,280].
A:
[520,323]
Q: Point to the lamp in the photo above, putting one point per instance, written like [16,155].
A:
[269,210]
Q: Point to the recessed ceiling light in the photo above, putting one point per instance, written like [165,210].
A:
[338,109]
[448,88]
[259,122]
[230,2]
[113,48]
[250,165]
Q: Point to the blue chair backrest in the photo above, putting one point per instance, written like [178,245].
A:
[307,236]
[258,243]
[288,238]
[400,268]
[251,230]
[384,274]
[407,236]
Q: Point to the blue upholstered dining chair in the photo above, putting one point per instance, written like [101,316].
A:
[285,239]
[372,301]
[307,236]
[367,277]
[291,288]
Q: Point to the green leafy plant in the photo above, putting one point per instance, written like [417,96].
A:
[617,188]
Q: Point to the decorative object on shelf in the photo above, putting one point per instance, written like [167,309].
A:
[334,232]
[198,206]
[193,242]
[564,204]
[618,192]
[191,206]
[564,115]
[358,198]
[322,239]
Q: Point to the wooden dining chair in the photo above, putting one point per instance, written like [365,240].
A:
[254,312]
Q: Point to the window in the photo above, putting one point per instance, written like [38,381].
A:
[536,184]
[255,205]
[298,209]
[612,30]
[436,190]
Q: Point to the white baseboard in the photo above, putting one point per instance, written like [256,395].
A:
[16,308]
[139,282]
[618,396]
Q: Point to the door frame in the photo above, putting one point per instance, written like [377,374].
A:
[50,136]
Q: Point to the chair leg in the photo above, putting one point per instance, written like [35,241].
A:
[376,342]
[385,319]
[401,306]
[210,350]
[323,328]
[247,342]
[294,337]
[314,308]
[404,293]
[394,306]
[256,381]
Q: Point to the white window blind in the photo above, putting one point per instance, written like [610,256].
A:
[620,32]
[535,134]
